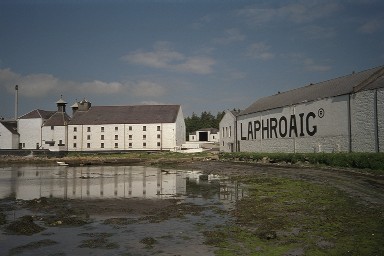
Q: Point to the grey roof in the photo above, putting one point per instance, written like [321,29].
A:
[365,80]
[137,114]
[10,126]
[38,113]
[61,101]
[57,119]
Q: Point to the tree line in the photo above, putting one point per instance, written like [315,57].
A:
[205,120]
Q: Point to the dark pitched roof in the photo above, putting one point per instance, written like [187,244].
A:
[365,80]
[10,126]
[38,113]
[57,119]
[137,114]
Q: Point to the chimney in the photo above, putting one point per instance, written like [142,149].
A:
[16,101]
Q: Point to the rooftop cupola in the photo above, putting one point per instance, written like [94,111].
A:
[84,105]
[61,105]
[75,107]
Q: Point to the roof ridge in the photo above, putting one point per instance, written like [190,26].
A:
[369,80]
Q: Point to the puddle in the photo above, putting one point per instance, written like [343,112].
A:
[132,210]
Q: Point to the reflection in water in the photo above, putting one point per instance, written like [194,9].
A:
[91,182]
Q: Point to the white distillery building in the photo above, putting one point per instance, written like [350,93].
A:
[9,137]
[345,114]
[29,128]
[228,131]
[54,131]
[205,134]
[137,127]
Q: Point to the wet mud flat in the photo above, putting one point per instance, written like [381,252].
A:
[49,226]
[281,211]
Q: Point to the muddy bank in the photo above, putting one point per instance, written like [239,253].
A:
[366,187]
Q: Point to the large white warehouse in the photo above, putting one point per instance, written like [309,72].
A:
[345,114]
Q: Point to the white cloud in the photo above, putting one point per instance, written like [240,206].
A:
[319,32]
[307,63]
[260,51]
[371,26]
[33,85]
[99,87]
[230,36]
[147,89]
[41,85]
[310,65]
[164,57]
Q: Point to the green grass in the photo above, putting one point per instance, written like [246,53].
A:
[282,215]
[371,161]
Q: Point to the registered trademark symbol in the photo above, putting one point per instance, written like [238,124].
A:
[321,113]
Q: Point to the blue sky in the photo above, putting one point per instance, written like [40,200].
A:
[207,55]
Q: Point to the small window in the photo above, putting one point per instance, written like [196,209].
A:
[102,137]
[130,137]
[144,128]
[88,137]
[88,145]
[52,127]
[116,145]
[158,144]
[74,145]
[102,145]
[130,145]
[116,128]
[158,127]
[88,129]
[116,137]
[75,129]
[130,128]
[102,129]
[144,144]
[158,136]
[74,137]
[144,137]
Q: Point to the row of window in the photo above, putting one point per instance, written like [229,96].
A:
[116,145]
[130,137]
[116,128]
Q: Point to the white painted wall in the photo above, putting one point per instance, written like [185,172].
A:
[334,132]
[180,129]
[8,140]
[367,121]
[328,120]
[30,132]
[57,134]
[227,132]
[123,137]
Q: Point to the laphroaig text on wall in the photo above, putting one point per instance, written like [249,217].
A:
[295,125]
